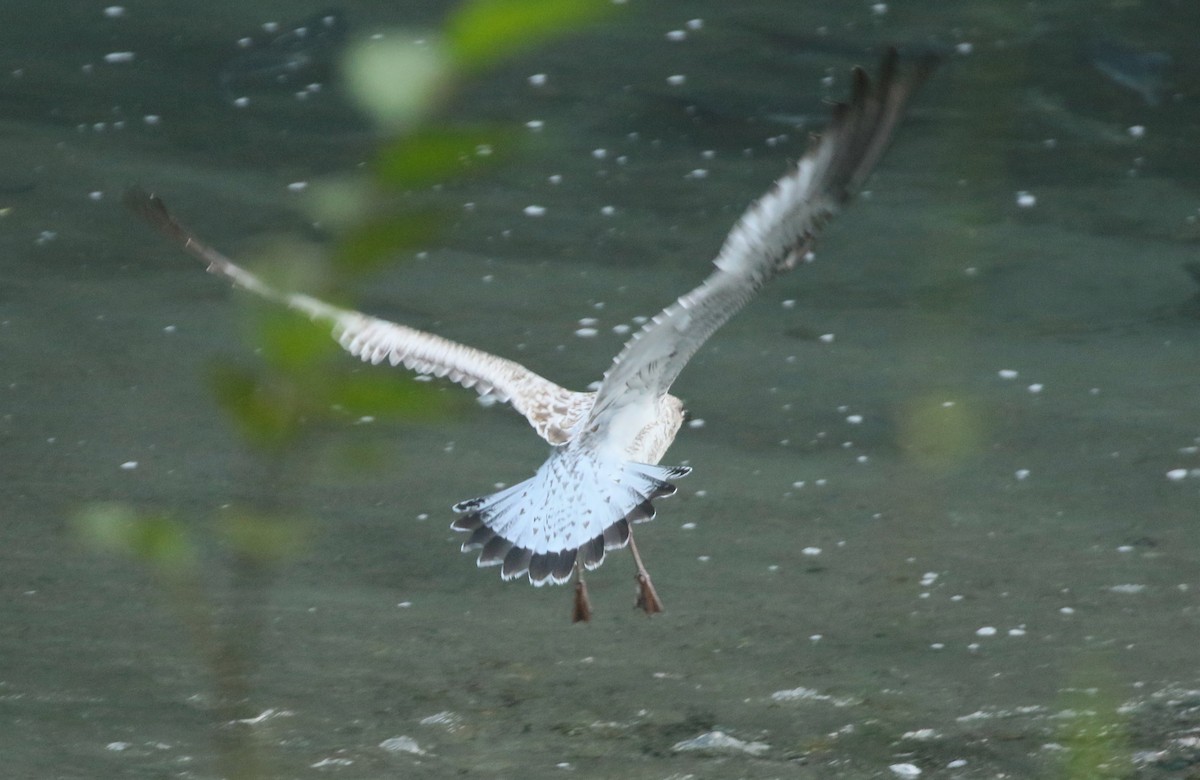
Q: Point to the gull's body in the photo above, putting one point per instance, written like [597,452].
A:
[602,473]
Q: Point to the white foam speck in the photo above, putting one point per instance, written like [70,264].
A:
[695,423]
[451,721]
[1177,474]
[129,465]
[676,35]
[1021,474]
[1128,588]
[905,770]
[798,694]
[114,57]
[1007,373]
[402,745]
[720,742]
[297,186]
[677,80]
[1137,131]
[985,631]
[811,551]
[114,11]
[537,80]
[921,735]
[586,333]
[1026,200]
[535,211]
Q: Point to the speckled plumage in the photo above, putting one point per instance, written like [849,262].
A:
[603,472]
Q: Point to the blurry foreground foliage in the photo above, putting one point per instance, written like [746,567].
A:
[1095,732]
[300,384]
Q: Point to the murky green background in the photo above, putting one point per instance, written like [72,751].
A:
[951,579]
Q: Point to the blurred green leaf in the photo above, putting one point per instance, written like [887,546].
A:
[373,243]
[265,539]
[398,78]
[434,155]
[486,30]
[264,413]
[291,343]
[388,396]
[1095,733]
[156,540]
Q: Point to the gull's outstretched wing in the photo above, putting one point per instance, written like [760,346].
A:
[770,238]
[550,409]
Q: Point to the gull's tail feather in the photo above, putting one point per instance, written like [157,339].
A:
[571,512]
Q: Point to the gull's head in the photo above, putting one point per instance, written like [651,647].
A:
[672,413]
[670,418]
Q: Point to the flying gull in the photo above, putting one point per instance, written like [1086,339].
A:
[603,471]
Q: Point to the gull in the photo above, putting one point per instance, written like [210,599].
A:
[603,472]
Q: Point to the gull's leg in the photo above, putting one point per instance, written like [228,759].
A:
[647,599]
[582,612]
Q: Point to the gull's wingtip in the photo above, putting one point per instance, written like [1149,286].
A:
[151,208]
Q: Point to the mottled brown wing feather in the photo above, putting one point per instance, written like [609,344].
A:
[771,236]
[550,409]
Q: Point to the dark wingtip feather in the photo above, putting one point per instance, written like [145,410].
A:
[479,538]
[616,535]
[150,207]
[468,522]
[541,565]
[862,128]
[470,505]
[564,566]
[591,554]
[516,563]
[663,490]
[494,551]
